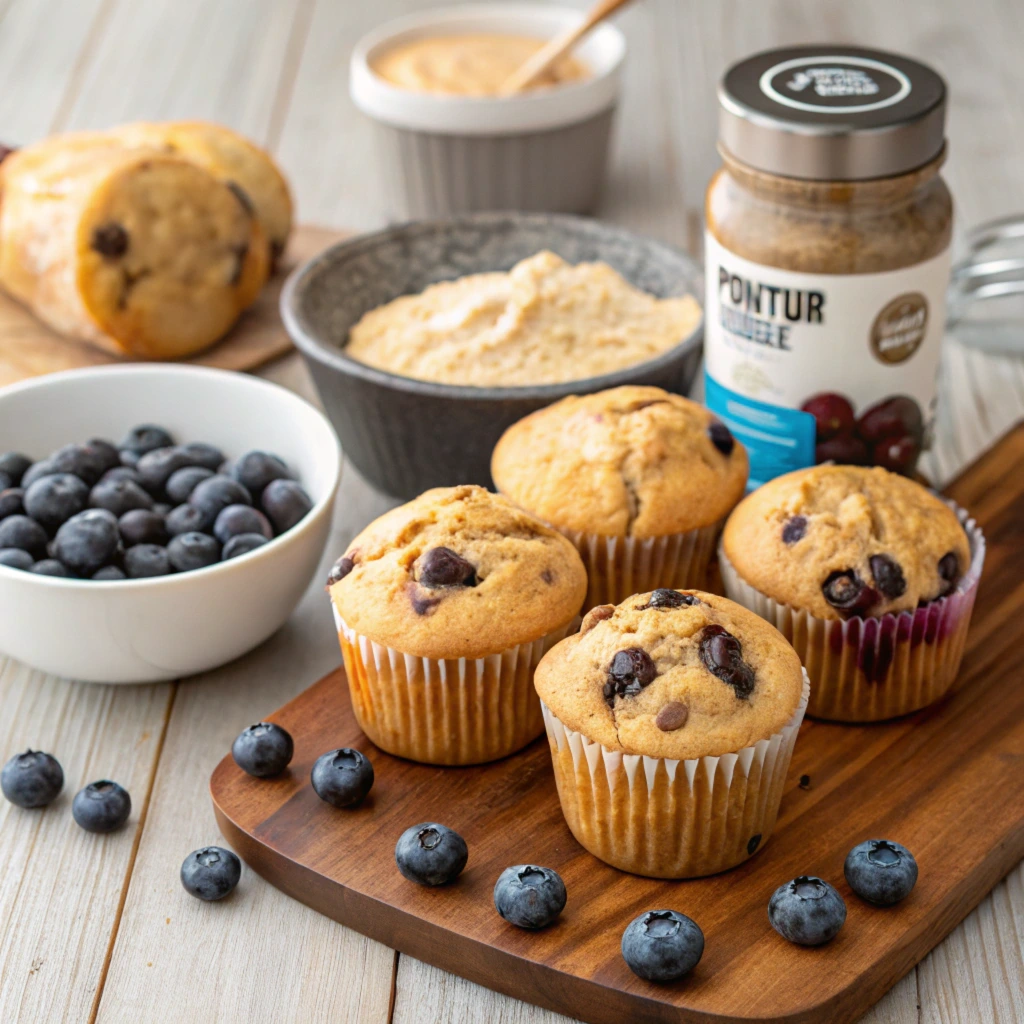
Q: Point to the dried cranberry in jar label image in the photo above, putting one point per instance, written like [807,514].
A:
[807,368]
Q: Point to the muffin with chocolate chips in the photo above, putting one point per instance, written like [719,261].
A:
[638,479]
[444,607]
[671,719]
[869,574]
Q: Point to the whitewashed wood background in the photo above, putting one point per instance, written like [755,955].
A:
[96,928]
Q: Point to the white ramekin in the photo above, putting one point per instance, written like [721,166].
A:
[545,150]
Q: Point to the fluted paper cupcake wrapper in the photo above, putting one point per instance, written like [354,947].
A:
[618,567]
[453,711]
[871,669]
[669,818]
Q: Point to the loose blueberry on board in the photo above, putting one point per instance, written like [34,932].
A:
[109,573]
[51,567]
[19,531]
[142,526]
[15,558]
[285,504]
[88,541]
[143,561]
[254,470]
[204,455]
[14,464]
[210,873]
[12,502]
[242,544]
[662,945]
[212,496]
[32,779]
[881,871]
[431,854]
[146,438]
[185,519]
[442,567]
[53,500]
[529,896]
[182,482]
[194,550]
[238,519]
[342,777]
[263,750]
[101,806]
[807,911]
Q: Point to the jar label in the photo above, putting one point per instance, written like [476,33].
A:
[805,368]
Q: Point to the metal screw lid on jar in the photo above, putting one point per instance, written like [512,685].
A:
[832,113]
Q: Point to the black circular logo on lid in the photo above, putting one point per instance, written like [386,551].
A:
[840,84]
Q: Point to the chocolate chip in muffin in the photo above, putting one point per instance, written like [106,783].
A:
[242,196]
[422,605]
[596,615]
[442,567]
[848,593]
[794,529]
[340,569]
[672,716]
[721,437]
[722,655]
[110,240]
[889,578]
[665,598]
[949,571]
[631,670]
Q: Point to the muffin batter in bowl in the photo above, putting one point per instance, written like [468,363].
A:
[475,64]
[544,322]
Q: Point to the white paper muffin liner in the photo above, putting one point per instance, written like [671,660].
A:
[618,567]
[871,669]
[668,818]
[454,711]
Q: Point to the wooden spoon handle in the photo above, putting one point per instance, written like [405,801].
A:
[548,54]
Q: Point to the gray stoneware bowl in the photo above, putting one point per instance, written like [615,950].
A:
[406,435]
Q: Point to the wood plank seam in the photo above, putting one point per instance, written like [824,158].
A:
[130,867]
[92,40]
[394,987]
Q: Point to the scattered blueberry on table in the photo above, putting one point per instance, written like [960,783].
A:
[210,873]
[529,896]
[662,945]
[881,871]
[342,777]
[32,779]
[807,911]
[101,806]
[263,750]
[431,854]
[86,510]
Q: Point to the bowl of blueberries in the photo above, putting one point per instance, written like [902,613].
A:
[156,521]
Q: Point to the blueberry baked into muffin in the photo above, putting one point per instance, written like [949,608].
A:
[639,479]
[671,719]
[444,607]
[869,574]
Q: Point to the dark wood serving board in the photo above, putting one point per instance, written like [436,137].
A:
[946,782]
[28,348]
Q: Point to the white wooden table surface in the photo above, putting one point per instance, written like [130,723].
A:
[97,928]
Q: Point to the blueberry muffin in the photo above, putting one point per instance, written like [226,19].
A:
[869,574]
[694,704]
[639,479]
[444,607]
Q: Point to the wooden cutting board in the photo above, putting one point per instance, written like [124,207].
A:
[946,782]
[28,348]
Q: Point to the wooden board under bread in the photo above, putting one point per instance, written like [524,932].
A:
[28,348]
[945,782]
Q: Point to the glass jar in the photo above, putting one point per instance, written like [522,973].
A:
[827,258]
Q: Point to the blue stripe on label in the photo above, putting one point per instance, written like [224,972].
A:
[777,439]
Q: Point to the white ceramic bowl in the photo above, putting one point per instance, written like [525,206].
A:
[545,150]
[166,627]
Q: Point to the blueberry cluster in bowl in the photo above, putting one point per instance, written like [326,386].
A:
[146,507]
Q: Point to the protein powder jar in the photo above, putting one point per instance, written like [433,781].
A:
[827,258]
